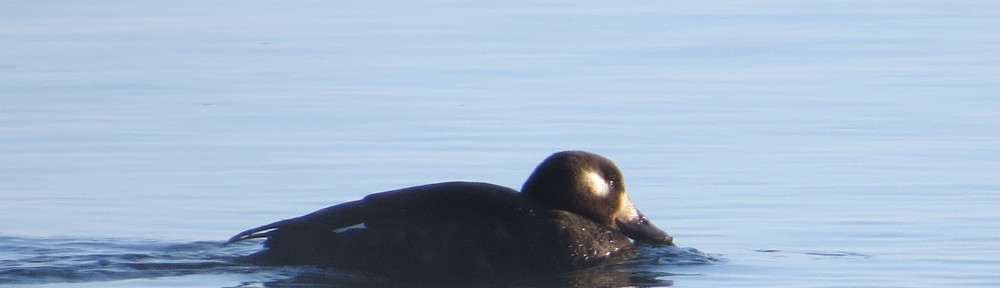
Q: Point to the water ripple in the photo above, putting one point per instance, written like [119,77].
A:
[63,260]
[67,260]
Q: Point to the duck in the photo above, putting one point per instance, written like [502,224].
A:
[572,213]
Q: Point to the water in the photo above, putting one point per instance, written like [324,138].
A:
[834,144]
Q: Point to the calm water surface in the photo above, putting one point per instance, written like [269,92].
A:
[833,144]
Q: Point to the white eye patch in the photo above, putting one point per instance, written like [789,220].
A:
[597,184]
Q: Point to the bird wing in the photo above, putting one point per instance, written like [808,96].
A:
[409,204]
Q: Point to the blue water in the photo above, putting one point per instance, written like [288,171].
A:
[820,144]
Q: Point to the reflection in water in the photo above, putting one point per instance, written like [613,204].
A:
[64,260]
